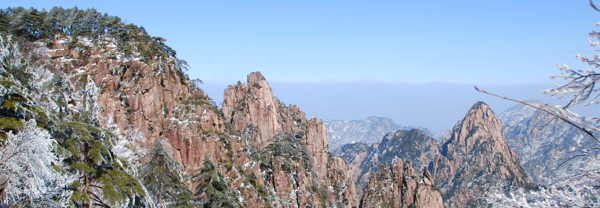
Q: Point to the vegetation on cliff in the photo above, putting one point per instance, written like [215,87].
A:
[106,91]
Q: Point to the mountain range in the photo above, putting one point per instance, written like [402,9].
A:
[120,124]
[474,158]
[367,131]
[132,130]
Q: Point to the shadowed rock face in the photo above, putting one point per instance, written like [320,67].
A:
[473,160]
[399,185]
[476,159]
[410,145]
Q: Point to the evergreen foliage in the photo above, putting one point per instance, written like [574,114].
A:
[32,24]
[164,181]
[287,147]
[99,177]
[89,156]
[212,189]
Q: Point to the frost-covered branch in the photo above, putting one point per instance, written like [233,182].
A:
[587,125]
[31,166]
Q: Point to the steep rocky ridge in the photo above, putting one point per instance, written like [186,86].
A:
[543,143]
[476,159]
[291,149]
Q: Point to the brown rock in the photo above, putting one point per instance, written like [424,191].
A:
[253,109]
[399,186]
[476,157]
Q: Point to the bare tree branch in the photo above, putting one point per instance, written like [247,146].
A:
[560,115]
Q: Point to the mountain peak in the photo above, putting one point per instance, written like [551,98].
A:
[476,154]
[480,120]
[479,106]
[255,77]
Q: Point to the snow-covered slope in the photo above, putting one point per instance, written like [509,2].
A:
[543,143]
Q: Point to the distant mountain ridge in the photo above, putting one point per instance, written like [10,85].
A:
[368,131]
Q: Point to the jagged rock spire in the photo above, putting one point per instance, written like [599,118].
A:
[476,157]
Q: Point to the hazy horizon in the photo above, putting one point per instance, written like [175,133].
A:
[436,106]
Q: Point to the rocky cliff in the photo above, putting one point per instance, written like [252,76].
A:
[476,159]
[399,185]
[107,94]
[291,149]
[110,98]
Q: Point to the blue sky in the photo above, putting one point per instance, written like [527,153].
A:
[501,42]
[494,43]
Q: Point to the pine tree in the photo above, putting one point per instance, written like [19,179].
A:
[212,189]
[163,179]
[103,180]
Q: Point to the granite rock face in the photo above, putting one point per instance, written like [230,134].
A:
[254,105]
[268,153]
[151,98]
[476,159]
[399,185]
[294,149]
[409,145]
[473,160]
